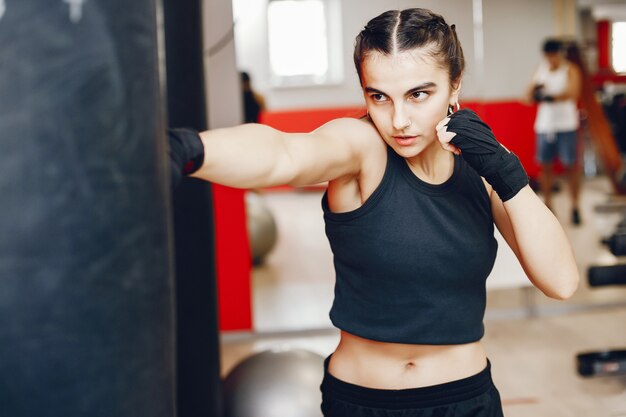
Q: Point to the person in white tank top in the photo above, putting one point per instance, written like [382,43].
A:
[556,87]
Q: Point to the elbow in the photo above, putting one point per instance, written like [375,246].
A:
[562,295]
[566,290]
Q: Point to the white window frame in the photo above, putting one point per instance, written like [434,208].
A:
[334,55]
[618,31]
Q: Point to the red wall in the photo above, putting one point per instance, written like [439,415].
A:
[605,65]
[232,258]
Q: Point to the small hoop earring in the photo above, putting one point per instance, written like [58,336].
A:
[451,109]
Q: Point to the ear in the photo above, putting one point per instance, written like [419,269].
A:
[456,90]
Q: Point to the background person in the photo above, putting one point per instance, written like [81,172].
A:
[253,102]
[556,87]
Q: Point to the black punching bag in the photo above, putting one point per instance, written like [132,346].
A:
[86,288]
[198,381]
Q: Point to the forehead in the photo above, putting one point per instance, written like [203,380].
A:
[401,70]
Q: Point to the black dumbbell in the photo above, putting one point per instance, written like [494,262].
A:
[608,362]
[607,275]
[616,242]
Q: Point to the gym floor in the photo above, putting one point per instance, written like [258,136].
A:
[531,340]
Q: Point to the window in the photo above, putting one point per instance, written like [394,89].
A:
[299,33]
[619,46]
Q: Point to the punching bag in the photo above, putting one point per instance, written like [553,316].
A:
[86,287]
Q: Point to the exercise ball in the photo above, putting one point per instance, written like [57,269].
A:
[275,383]
[262,231]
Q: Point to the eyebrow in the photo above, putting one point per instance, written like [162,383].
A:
[420,87]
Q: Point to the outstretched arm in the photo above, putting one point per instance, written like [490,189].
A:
[253,155]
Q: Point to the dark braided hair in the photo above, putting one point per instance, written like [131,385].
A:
[399,31]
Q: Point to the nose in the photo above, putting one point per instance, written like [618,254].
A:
[401,120]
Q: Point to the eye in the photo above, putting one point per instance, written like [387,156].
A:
[419,95]
[378,97]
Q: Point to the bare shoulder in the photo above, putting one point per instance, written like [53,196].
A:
[572,68]
[348,193]
[360,133]
[350,128]
[574,71]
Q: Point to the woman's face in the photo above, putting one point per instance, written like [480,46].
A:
[406,95]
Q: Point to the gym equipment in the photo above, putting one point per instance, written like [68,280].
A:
[607,275]
[197,352]
[604,362]
[609,362]
[616,242]
[261,225]
[599,127]
[86,283]
[275,383]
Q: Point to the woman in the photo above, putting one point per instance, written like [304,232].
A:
[412,199]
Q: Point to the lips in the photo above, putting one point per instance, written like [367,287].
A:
[405,140]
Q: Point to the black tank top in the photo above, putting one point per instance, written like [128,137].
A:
[411,263]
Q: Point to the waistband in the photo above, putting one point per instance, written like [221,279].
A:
[422,397]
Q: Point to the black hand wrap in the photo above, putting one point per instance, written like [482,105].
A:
[479,147]
[186,153]
[539,95]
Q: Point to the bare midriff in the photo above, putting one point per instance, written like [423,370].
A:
[383,365]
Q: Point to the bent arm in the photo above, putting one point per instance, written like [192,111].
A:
[539,242]
[254,155]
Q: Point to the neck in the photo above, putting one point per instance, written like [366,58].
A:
[433,165]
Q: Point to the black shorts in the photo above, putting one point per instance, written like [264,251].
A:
[474,396]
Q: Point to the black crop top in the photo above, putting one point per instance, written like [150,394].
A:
[411,263]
